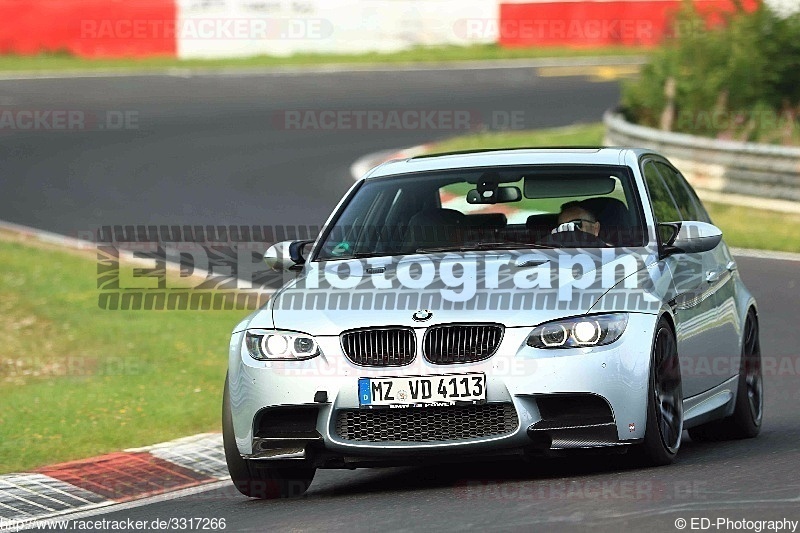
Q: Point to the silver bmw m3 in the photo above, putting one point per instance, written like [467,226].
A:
[518,303]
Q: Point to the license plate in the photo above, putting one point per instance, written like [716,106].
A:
[421,391]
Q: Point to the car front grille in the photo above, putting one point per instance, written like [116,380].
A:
[462,343]
[380,346]
[427,424]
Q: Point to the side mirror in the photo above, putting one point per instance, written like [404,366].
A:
[691,237]
[286,255]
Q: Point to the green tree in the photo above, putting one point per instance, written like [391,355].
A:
[738,79]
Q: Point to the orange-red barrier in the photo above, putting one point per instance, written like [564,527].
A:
[144,28]
[89,28]
[592,23]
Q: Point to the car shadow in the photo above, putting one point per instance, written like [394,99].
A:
[467,474]
[495,472]
[488,474]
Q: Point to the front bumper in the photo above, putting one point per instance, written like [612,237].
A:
[517,375]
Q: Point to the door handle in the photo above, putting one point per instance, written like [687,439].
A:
[731,266]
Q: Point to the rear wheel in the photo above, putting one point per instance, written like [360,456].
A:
[745,422]
[664,426]
[258,480]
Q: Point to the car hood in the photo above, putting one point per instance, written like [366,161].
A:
[516,289]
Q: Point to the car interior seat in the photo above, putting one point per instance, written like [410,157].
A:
[614,218]
[484,227]
[541,225]
[434,228]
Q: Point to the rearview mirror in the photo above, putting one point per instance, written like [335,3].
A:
[286,255]
[494,196]
[692,237]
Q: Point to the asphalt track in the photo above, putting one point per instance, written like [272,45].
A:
[214,149]
[207,150]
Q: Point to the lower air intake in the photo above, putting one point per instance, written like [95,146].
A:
[427,424]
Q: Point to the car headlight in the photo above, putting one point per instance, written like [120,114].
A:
[579,332]
[274,345]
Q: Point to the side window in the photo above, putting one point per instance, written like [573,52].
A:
[664,208]
[701,211]
[689,206]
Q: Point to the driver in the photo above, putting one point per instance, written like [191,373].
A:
[575,217]
[577,226]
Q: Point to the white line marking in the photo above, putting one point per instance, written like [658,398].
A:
[53,488]
[190,462]
[15,509]
[765,254]
[112,507]
[18,497]
[196,444]
[34,481]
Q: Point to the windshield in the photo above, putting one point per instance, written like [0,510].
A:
[565,206]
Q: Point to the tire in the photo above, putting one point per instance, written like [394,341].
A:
[664,427]
[748,413]
[259,480]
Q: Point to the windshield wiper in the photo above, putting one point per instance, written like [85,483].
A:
[360,255]
[507,245]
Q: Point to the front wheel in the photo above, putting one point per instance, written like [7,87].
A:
[664,427]
[258,480]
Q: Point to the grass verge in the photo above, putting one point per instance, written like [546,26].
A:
[77,381]
[430,54]
[579,135]
[742,226]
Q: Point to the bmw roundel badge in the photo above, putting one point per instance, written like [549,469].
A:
[422,315]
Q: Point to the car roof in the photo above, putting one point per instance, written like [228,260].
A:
[506,157]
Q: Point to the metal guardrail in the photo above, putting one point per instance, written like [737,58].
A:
[727,167]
